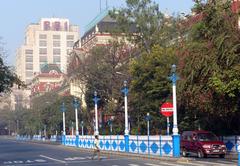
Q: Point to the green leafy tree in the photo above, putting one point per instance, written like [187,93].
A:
[144,24]
[7,77]
[210,75]
[150,86]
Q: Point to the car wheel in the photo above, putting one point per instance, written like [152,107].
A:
[222,155]
[200,154]
[184,152]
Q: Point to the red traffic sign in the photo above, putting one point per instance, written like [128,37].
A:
[167,109]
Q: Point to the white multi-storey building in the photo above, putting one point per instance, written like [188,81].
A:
[47,42]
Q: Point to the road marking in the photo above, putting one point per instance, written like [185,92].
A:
[133,164]
[211,163]
[60,161]
[169,164]
[190,163]
[151,164]
[225,162]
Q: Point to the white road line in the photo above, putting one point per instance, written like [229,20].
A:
[133,164]
[211,163]
[164,163]
[60,161]
[192,164]
[149,164]
[226,162]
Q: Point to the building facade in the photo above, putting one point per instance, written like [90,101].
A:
[46,42]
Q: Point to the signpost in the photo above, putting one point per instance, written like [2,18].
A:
[167,111]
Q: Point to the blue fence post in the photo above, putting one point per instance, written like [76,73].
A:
[160,145]
[126,137]
[176,145]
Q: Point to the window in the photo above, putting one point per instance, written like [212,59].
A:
[70,37]
[56,37]
[29,66]
[70,43]
[69,51]
[42,50]
[42,43]
[56,59]
[29,73]
[56,43]
[28,51]
[29,58]
[56,51]
[42,36]
[43,59]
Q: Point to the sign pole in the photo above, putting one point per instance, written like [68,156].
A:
[167,125]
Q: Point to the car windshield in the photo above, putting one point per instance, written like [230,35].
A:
[207,137]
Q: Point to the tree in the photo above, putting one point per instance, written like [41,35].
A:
[210,75]
[150,86]
[7,77]
[104,69]
[144,24]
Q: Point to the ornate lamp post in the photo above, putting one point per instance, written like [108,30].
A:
[176,137]
[63,110]
[126,131]
[96,99]
[76,105]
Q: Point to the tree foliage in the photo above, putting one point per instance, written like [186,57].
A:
[7,77]
[210,73]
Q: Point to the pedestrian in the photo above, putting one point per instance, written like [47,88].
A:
[96,148]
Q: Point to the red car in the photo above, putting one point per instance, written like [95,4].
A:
[202,143]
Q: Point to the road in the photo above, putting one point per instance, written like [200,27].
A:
[15,153]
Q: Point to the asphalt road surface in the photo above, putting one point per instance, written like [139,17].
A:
[16,153]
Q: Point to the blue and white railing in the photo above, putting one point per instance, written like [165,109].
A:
[152,145]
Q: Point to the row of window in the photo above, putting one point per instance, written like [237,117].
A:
[56,37]
[56,43]
[28,59]
[43,55]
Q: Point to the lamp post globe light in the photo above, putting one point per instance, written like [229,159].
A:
[176,136]
[76,106]
[126,131]
[96,99]
[63,110]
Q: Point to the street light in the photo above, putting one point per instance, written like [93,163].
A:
[126,132]
[82,127]
[176,137]
[96,99]
[76,105]
[63,110]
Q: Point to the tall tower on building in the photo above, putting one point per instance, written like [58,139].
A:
[46,42]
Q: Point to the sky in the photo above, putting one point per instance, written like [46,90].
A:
[16,15]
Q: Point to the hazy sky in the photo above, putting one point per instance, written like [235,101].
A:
[15,15]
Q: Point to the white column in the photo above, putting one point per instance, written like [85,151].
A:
[64,129]
[76,116]
[96,120]
[126,115]
[175,127]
